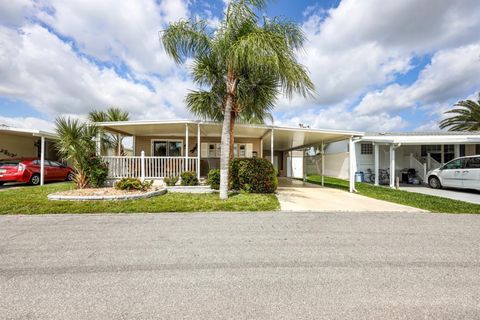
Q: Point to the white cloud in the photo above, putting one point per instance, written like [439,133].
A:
[39,68]
[27,123]
[452,73]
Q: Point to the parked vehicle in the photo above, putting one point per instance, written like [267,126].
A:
[461,172]
[28,171]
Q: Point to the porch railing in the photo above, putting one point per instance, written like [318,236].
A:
[420,168]
[148,167]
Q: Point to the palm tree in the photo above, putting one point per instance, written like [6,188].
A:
[467,117]
[76,143]
[243,65]
[113,141]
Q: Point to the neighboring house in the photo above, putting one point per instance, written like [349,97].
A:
[27,143]
[171,147]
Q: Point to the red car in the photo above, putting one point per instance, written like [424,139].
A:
[28,171]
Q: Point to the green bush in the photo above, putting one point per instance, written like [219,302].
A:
[133,184]
[189,178]
[170,181]
[253,175]
[97,172]
[213,179]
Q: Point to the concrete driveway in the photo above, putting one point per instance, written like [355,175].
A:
[240,266]
[472,196]
[296,195]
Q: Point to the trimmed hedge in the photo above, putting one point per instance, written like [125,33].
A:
[189,178]
[213,179]
[253,175]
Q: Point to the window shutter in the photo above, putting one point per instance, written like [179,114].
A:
[249,150]
[204,150]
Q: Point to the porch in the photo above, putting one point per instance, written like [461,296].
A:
[168,148]
[385,158]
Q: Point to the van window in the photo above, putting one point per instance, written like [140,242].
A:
[455,164]
[473,163]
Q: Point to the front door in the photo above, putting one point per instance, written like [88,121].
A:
[471,173]
[451,173]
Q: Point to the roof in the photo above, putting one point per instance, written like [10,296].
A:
[28,132]
[285,138]
[434,137]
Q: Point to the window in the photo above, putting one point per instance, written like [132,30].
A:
[462,150]
[167,148]
[455,164]
[477,149]
[366,148]
[235,150]
[473,163]
[211,150]
[242,151]
[219,150]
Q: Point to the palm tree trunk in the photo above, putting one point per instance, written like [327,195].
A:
[225,143]
[232,138]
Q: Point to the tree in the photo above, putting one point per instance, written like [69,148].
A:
[243,66]
[76,143]
[466,118]
[109,140]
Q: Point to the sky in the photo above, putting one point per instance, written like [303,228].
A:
[377,65]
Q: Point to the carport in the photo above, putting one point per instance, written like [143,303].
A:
[26,143]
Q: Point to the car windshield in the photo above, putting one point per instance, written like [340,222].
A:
[9,163]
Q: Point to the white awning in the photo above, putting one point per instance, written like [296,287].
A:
[285,138]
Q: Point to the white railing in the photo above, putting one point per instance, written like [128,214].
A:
[148,167]
[432,163]
[420,168]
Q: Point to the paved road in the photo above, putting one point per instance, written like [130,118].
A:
[255,266]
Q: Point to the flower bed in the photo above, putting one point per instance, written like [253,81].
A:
[104,194]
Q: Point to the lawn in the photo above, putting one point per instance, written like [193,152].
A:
[33,200]
[417,200]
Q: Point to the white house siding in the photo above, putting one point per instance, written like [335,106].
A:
[336,165]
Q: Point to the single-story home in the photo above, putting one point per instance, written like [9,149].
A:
[27,143]
[167,148]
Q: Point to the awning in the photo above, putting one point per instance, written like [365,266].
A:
[285,138]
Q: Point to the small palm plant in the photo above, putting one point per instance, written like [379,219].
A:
[466,118]
[76,144]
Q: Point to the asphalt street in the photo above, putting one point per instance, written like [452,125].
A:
[240,266]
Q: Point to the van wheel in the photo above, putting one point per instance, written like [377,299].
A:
[434,183]
[70,177]
[35,180]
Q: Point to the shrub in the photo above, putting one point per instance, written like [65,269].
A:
[254,175]
[97,172]
[133,184]
[170,181]
[213,179]
[189,178]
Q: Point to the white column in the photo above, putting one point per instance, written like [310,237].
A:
[351,161]
[271,147]
[456,150]
[443,154]
[377,164]
[392,166]
[198,151]
[323,164]
[142,165]
[98,144]
[304,171]
[186,147]
[133,145]
[42,160]
[261,148]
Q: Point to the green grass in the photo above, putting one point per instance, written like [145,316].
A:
[33,200]
[417,200]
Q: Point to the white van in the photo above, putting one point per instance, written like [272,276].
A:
[461,172]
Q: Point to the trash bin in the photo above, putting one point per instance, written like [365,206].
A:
[359,176]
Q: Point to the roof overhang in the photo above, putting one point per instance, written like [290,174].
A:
[425,139]
[28,132]
[285,138]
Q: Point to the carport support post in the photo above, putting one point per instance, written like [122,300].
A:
[304,165]
[351,159]
[186,147]
[392,166]
[42,160]
[142,166]
[271,148]
[377,163]
[98,144]
[198,151]
[323,164]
